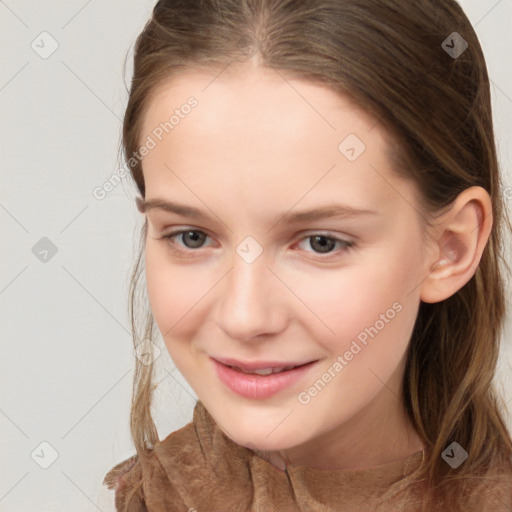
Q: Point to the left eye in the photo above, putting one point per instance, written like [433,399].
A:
[320,243]
[325,243]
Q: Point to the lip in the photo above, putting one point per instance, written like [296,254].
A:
[259,387]
[258,365]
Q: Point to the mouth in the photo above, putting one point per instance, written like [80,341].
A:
[263,382]
[267,371]
[262,367]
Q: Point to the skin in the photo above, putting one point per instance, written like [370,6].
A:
[255,147]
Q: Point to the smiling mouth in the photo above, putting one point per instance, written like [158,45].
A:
[260,380]
[267,371]
[262,367]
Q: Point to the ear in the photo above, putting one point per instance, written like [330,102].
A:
[458,245]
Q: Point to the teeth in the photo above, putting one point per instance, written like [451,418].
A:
[265,371]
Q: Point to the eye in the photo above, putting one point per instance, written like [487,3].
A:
[193,239]
[323,244]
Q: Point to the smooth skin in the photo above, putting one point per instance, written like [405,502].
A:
[259,145]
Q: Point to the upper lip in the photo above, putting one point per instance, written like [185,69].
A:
[259,365]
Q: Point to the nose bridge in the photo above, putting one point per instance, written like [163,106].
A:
[248,280]
[249,301]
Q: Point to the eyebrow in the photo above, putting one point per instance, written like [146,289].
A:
[335,210]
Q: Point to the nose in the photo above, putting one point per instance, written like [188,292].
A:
[251,301]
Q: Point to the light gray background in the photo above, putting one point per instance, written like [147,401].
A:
[67,360]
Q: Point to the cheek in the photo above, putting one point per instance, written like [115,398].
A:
[372,321]
[361,303]
[174,291]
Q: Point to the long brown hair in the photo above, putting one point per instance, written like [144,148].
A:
[388,56]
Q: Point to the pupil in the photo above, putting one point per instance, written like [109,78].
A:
[328,243]
[194,237]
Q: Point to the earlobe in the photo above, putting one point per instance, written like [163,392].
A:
[465,232]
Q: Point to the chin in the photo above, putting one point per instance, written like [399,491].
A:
[260,441]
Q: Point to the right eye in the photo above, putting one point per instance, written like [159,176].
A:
[191,238]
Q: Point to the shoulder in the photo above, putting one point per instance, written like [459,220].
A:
[178,471]
[494,493]
[160,477]
[125,479]
[114,478]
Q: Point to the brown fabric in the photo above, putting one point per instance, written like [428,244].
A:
[199,469]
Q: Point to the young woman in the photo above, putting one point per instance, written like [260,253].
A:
[323,257]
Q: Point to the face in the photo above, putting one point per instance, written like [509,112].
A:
[253,281]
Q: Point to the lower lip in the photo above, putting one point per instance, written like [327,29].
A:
[259,387]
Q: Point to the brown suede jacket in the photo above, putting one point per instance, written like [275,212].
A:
[199,469]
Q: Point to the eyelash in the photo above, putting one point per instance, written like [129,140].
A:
[347,245]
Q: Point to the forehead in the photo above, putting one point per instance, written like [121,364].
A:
[256,98]
[255,128]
